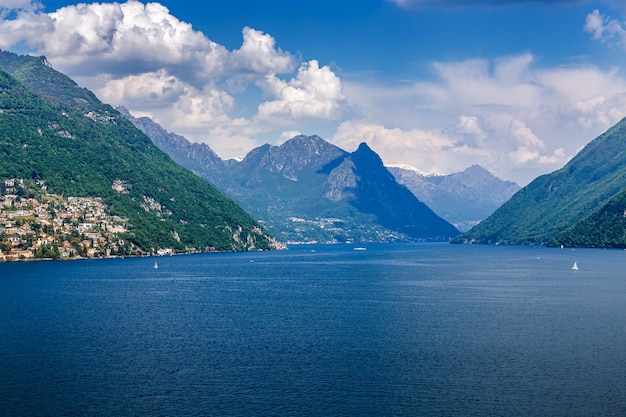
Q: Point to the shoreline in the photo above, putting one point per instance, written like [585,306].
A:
[102,258]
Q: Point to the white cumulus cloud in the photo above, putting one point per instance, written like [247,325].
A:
[430,151]
[314,93]
[259,54]
[7,6]
[509,114]
[140,55]
[605,29]
[127,38]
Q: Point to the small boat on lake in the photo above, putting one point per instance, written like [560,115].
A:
[156,266]
[575,267]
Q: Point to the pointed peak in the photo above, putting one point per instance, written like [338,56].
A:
[363,147]
[475,166]
[364,151]
[477,170]
[365,154]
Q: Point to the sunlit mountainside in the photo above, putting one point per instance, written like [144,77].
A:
[63,139]
[581,204]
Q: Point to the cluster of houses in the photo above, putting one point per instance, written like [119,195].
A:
[335,231]
[38,224]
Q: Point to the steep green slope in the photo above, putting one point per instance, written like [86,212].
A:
[605,228]
[53,130]
[556,201]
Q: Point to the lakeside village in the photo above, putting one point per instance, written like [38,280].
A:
[37,225]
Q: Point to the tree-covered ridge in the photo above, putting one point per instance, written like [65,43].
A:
[38,75]
[554,202]
[85,149]
[605,228]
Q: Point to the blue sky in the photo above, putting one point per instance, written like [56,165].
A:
[515,86]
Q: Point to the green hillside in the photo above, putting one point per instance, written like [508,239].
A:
[51,130]
[605,228]
[554,202]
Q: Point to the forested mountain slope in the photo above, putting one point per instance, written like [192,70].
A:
[554,202]
[53,131]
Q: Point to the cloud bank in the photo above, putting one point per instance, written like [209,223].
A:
[510,114]
[143,57]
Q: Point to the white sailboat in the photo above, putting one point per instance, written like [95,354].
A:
[575,266]
[156,266]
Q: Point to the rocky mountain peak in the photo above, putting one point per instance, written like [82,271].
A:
[479,185]
[298,154]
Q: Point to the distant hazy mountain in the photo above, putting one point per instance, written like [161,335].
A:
[308,190]
[464,198]
[58,134]
[555,202]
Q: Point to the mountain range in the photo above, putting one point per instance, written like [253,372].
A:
[310,190]
[582,204]
[63,138]
[58,142]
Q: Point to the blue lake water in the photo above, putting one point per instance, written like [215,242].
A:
[396,330]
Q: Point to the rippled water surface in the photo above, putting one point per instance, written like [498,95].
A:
[396,330]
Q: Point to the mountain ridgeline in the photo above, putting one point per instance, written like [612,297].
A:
[462,198]
[372,189]
[308,190]
[61,138]
[330,195]
[582,204]
[58,134]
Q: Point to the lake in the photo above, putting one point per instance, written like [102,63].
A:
[394,330]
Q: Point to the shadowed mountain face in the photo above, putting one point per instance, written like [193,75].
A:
[555,202]
[308,178]
[308,190]
[56,133]
[377,192]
